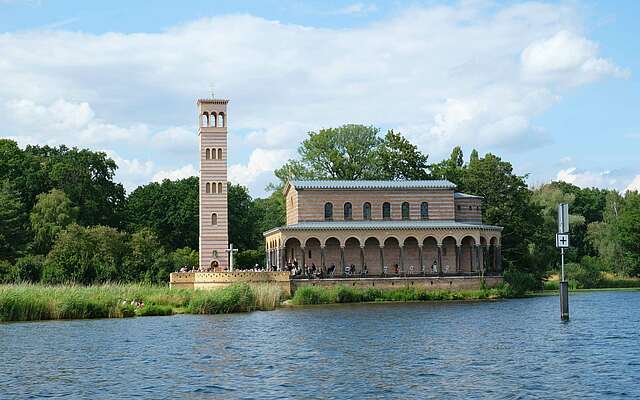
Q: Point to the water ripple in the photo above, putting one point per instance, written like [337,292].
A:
[516,349]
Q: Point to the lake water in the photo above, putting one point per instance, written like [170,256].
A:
[511,349]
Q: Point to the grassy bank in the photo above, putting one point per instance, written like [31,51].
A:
[27,302]
[608,282]
[342,294]
[38,302]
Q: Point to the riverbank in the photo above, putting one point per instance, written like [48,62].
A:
[26,302]
[342,294]
[606,282]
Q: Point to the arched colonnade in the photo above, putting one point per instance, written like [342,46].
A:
[390,255]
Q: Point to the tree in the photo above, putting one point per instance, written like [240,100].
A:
[51,214]
[451,169]
[348,152]
[604,237]
[507,202]
[146,259]
[270,212]
[398,158]
[627,231]
[86,256]
[24,172]
[87,178]
[169,208]
[548,197]
[29,268]
[13,223]
[243,227]
[184,257]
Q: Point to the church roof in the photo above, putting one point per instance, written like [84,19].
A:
[368,185]
[383,225]
[458,195]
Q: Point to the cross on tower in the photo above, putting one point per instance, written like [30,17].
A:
[231,250]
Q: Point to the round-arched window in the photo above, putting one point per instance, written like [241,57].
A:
[386,211]
[366,211]
[405,210]
[424,210]
[348,211]
[328,211]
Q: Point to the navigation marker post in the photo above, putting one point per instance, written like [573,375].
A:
[562,242]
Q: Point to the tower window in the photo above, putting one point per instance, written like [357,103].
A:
[219,154]
[424,210]
[348,211]
[213,119]
[214,219]
[328,211]
[386,211]
[405,210]
[221,120]
[213,154]
[366,211]
[204,121]
[208,154]
[219,187]
[208,187]
[213,188]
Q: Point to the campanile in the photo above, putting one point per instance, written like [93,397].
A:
[214,221]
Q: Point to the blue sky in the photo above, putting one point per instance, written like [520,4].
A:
[551,86]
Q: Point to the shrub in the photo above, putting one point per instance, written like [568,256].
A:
[8,272]
[313,295]
[153,309]
[234,298]
[29,268]
[267,297]
[520,282]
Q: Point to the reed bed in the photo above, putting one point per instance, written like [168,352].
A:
[30,302]
[342,294]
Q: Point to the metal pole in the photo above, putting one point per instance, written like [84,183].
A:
[562,262]
[564,291]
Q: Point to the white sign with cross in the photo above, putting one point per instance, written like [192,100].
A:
[562,240]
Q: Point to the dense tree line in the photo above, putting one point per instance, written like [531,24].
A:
[63,218]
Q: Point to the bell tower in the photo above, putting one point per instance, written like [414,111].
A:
[214,221]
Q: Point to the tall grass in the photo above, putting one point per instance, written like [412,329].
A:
[343,294]
[29,302]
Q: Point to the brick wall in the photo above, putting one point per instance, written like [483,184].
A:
[468,210]
[310,204]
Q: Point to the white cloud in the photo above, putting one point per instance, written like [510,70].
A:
[180,173]
[357,9]
[444,75]
[132,173]
[567,58]
[620,180]
[634,185]
[260,161]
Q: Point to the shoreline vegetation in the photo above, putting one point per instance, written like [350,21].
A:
[34,302]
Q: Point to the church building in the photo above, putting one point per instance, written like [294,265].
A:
[391,227]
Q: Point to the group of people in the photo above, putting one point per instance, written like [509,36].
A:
[319,272]
[201,268]
[314,271]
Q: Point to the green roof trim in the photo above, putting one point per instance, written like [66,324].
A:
[366,185]
[382,225]
[459,195]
